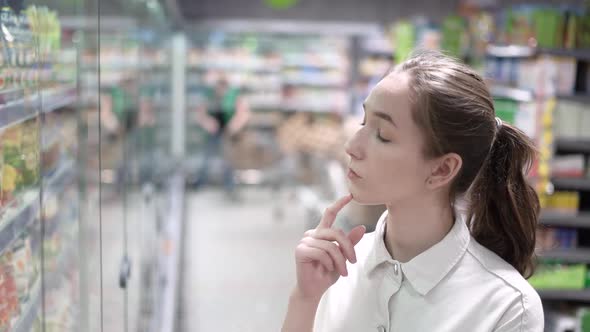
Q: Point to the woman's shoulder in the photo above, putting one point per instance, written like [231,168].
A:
[526,308]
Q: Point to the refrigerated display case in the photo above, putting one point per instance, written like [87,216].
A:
[88,204]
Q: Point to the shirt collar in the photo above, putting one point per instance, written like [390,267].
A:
[427,269]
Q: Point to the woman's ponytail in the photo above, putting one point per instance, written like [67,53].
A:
[503,207]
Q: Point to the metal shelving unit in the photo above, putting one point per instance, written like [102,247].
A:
[517,94]
[523,51]
[21,110]
[581,220]
[19,219]
[58,98]
[573,145]
[578,98]
[511,51]
[582,295]
[580,54]
[578,255]
[579,184]
[17,111]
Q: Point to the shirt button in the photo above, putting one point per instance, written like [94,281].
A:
[381,328]
[396,268]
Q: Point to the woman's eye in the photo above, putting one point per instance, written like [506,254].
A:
[380,138]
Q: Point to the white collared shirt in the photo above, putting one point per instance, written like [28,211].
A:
[457,285]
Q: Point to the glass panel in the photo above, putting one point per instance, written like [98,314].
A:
[20,226]
[39,227]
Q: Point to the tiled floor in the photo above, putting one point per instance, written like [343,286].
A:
[238,264]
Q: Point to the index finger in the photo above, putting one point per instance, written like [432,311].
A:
[331,212]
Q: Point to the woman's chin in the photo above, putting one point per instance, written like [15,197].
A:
[359,198]
[362,198]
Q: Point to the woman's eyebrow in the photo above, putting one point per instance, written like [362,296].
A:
[382,115]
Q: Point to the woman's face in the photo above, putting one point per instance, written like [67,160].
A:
[387,163]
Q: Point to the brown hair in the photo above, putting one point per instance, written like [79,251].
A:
[453,106]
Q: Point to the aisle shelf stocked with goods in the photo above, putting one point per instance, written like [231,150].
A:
[538,74]
[37,165]
[22,212]
[15,220]
[21,110]
[275,73]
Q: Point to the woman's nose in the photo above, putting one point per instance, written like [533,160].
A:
[353,148]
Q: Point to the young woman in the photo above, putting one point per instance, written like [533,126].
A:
[430,139]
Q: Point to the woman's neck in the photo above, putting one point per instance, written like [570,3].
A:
[413,227]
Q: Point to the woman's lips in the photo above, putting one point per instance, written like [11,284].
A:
[352,174]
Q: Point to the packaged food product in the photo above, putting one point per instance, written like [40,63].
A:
[1,172]
[7,19]
[13,162]
[22,265]
[30,152]
[9,303]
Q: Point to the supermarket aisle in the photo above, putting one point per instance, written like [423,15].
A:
[239,265]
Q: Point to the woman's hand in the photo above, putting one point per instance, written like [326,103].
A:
[322,254]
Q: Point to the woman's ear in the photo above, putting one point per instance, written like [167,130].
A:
[444,170]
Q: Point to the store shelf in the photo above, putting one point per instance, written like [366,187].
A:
[578,98]
[510,51]
[308,65]
[580,54]
[511,93]
[21,110]
[17,111]
[29,312]
[522,51]
[567,255]
[15,221]
[314,84]
[579,184]
[58,98]
[573,145]
[61,178]
[241,68]
[379,53]
[582,295]
[581,220]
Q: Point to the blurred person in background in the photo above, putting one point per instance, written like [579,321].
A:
[223,115]
[453,249]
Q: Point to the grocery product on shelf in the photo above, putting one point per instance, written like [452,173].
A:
[404,35]
[566,202]
[569,166]
[9,303]
[12,179]
[23,266]
[453,28]
[549,238]
[560,276]
[30,152]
